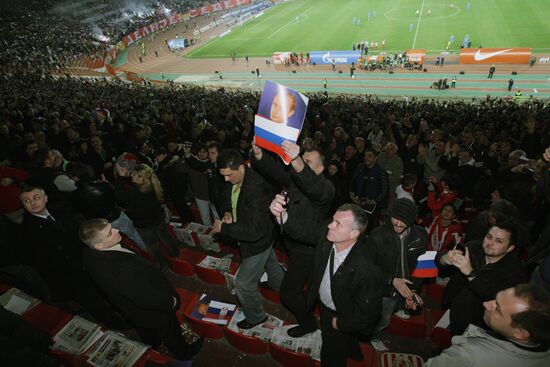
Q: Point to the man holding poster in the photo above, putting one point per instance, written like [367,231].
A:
[280,117]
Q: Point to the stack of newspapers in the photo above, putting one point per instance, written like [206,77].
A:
[101,349]
[195,234]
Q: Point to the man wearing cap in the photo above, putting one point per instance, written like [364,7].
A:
[394,248]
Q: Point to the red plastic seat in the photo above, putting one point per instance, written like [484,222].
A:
[135,248]
[180,267]
[441,337]
[289,358]
[245,343]
[434,291]
[369,357]
[213,276]
[154,356]
[390,359]
[4,288]
[230,250]
[186,298]
[203,328]
[172,232]
[414,327]
[47,317]
[191,256]
[195,213]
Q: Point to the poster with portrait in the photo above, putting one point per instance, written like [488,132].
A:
[280,117]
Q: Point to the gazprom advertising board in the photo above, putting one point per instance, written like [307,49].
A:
[338,57]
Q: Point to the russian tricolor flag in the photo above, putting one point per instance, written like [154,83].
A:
[280,117]
[425,266]
[270,136]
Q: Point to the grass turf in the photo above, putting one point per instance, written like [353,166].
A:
[317,25]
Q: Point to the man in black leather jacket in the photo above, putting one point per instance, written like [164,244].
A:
[394,248]
[306,186]
[343,278]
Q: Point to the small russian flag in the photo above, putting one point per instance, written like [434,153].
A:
[425,266]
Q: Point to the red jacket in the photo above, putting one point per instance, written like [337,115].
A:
[441,238]
[436,202]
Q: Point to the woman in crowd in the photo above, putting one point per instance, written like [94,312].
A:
[143,202]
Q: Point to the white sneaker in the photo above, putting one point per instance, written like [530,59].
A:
[402,314]
[379,345]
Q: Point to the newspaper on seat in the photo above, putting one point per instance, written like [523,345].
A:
[195,234]
[77,336]
[216,263]
[115,350]
[263,331]
[17,301]
[309,344]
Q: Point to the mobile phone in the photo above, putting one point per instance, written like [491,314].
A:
[416,300]
[460,247]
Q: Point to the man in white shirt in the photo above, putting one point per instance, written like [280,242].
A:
[344,279]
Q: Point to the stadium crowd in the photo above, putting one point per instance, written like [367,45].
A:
[66,34]
[430,174]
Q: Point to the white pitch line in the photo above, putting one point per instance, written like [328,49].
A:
[289,23]
[418,24]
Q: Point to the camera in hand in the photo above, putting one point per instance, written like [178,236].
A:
[284,194]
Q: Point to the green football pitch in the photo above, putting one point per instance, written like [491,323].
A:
[317,25]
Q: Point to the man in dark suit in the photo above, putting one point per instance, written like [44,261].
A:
[51,245]
[344,279]
[246,219]
[137,289]
[306,185]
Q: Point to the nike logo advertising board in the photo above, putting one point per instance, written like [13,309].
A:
[478,56]
[495,55]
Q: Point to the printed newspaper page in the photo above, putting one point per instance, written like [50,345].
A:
[207,242]
[17,301]
[263,331]
[115,350]
[196,227]
[77,336]
[216,263]
[309,344]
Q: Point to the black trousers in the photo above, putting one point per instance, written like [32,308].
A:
[292,292]
[337,346]
[169,333]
